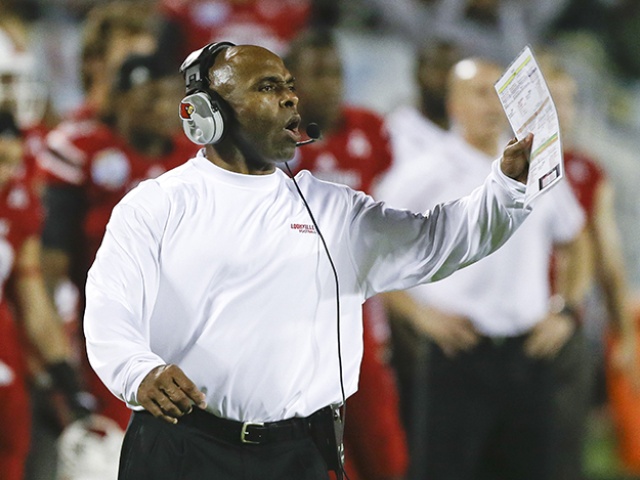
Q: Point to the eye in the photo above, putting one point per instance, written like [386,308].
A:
[267,88]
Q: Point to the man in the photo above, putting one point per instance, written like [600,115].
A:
[490,367]
[28,321]
[92,163]
[417,130]
[111,32]
[354,150]
[212,286]
[604,259]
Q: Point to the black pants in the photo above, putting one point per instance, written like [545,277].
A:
[491,414]
[154,449]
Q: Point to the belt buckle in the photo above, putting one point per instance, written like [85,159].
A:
[244,432]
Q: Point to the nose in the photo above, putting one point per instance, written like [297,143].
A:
[289,99]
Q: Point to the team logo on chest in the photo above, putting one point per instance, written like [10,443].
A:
[303,227]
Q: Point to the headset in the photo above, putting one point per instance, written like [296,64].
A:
[205,115]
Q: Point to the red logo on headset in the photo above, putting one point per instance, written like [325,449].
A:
[186,109]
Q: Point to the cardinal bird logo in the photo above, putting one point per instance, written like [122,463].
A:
[186,110]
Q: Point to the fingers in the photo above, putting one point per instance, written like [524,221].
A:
[167,393]
[548,337]
[515,160]
[524,145]
[190,390]
[457,335]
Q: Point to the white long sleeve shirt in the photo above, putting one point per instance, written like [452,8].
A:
[224,275]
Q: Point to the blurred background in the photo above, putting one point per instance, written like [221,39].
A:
[597,41]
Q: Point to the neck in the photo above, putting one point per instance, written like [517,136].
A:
[228,157]
[434,109]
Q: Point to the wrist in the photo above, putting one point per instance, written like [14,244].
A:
[64,377]
[559,306]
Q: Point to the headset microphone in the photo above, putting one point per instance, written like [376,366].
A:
[313,132]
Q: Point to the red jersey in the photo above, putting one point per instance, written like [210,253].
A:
[584,176]
[34,143]
[20,219]
[355,155]
[375,441]
[91,156]
[268,23]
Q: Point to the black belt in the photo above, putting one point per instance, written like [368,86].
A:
[243,433]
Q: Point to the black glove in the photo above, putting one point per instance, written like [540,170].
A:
[65,381]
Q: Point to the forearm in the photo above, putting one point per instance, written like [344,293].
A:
[121,291]
[39,318]
[573,270]
[405,249]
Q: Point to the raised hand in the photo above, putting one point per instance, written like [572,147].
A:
[515,159]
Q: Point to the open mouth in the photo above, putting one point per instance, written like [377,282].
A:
[292,128]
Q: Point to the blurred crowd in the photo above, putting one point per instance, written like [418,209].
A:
[529,360]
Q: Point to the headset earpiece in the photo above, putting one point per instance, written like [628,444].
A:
[205,116]
[202,122]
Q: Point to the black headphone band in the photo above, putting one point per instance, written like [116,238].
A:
[195,68]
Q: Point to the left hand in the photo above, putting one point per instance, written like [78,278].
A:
[515,159]
[549,336]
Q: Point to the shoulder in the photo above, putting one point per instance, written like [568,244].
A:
[69,149]
[80,131]
[581,167]
[314,187]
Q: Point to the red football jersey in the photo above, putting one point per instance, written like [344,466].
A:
[355,155]
[268,23]
[20,218]
[584,176]
[90,155]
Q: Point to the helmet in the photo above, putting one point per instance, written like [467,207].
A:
[20,92]
[89,449]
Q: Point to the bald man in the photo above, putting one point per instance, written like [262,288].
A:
[494,333]
[215,297]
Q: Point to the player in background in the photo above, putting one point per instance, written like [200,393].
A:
[28,320]
[269,23]
[353,150]
[417,130]
[490,379]
[604,270]
[111,32]
[24,95]
[91,164]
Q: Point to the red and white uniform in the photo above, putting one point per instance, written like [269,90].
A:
[356,155]
[584,176]
[90,156]
[268,23]
[20,218]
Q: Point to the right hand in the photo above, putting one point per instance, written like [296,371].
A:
[515,159]
[452,333]
[167,393]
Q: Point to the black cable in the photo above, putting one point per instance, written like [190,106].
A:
[335,275]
